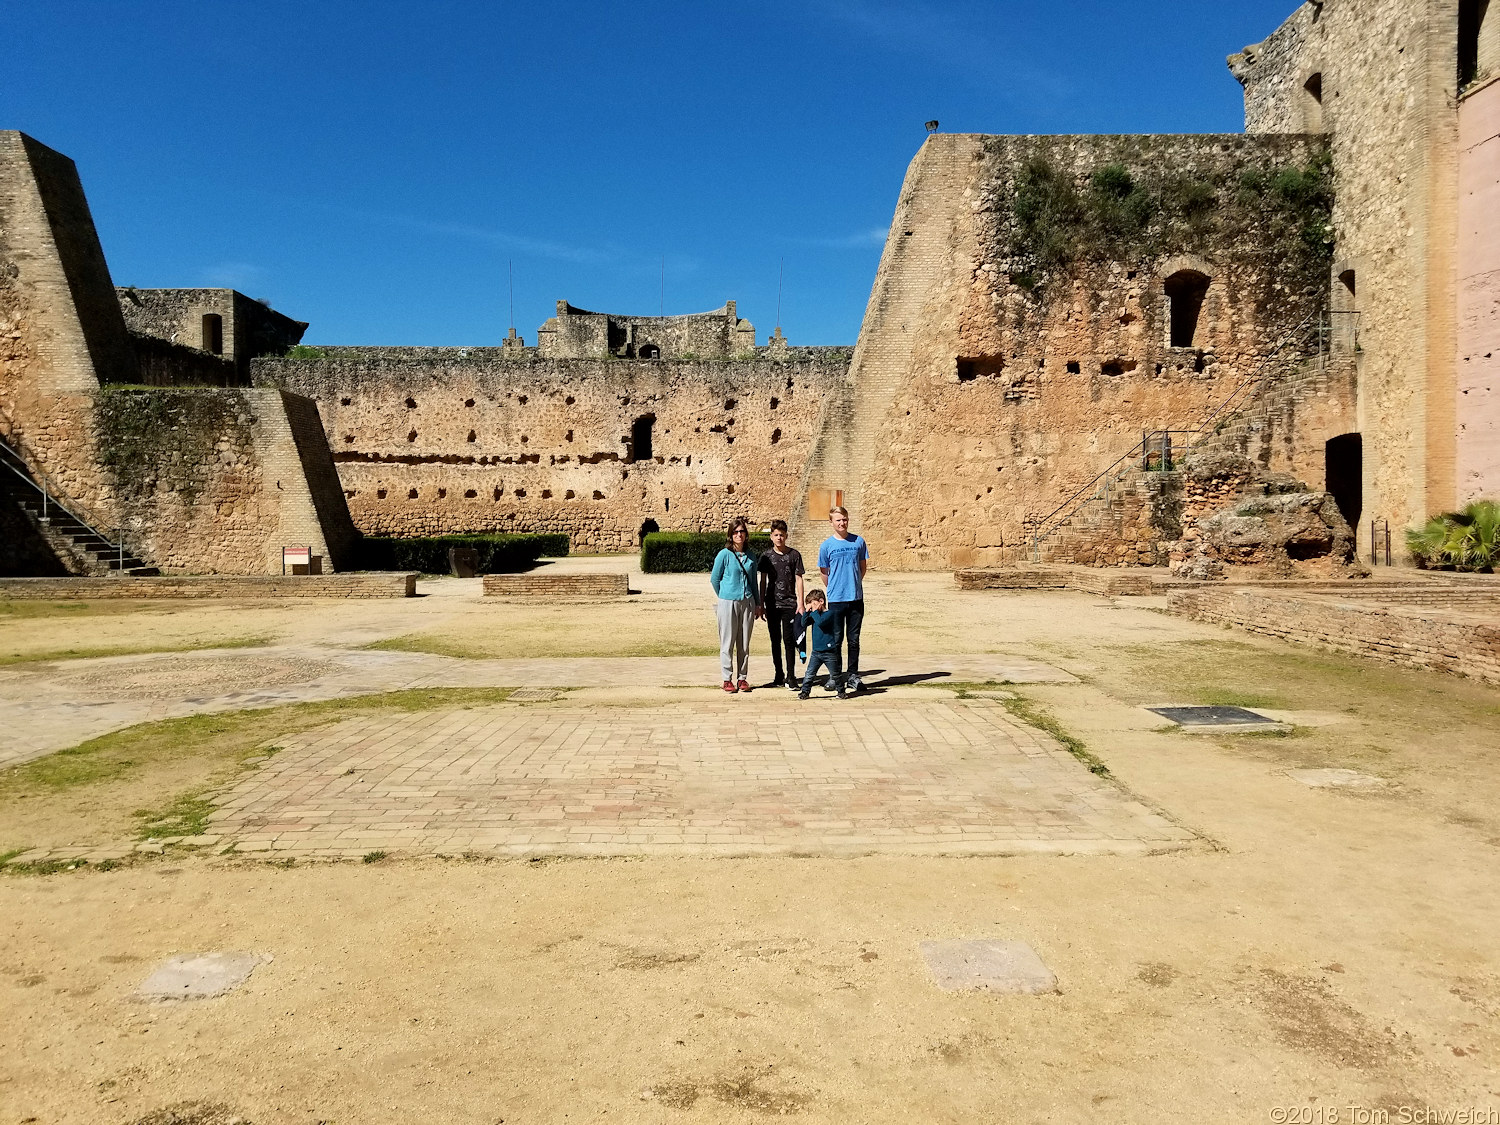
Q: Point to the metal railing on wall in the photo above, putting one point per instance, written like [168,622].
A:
[52,508]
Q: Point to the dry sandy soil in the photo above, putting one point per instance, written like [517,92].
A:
[1322,952]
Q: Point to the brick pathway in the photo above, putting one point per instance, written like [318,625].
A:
[901,773]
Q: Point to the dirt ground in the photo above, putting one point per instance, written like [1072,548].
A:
[1324,954]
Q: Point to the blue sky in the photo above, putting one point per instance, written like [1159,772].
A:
[373,167]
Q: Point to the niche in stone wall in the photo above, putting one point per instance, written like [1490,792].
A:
[1344,311]
[640,437]
[1185,290]
[970,368]
[213,333]
[1312,103]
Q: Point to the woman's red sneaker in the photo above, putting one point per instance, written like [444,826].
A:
[744,685]
[729,686]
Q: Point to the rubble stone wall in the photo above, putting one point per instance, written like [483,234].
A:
[1031,369]
[432,441]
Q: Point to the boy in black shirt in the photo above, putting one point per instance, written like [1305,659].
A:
[781,595]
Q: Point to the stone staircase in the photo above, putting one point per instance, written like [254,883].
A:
[75,539]
[1111,526]
[852,418]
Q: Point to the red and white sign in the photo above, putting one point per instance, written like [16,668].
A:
[295,556]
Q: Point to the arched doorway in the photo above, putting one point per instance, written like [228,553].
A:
[649,351]
[1185,291]
[649,527]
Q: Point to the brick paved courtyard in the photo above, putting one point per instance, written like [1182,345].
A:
[904,773]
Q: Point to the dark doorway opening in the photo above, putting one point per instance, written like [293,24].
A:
[1343,475]
[1186,290]
[649,351]
[640,437]
[213,333]
[650,527]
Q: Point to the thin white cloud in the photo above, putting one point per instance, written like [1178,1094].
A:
[506,240]
[233,275]
[860,240]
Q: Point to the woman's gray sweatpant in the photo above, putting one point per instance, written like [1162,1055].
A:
[736,626]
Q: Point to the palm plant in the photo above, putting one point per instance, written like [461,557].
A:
[1465,540]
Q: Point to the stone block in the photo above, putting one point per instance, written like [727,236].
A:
[197,976]
[988,966]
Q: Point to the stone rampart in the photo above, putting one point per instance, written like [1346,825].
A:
[237,587]
[1024,310]
[452,440]
[1465,641]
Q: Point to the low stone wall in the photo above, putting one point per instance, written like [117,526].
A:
[1464,642]
[1110,582]
[382,585]
[556,585]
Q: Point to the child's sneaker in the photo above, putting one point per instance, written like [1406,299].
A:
[794,685]
[804,694]
[779,681]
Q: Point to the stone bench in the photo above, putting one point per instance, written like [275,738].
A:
[556,585]
[249,586]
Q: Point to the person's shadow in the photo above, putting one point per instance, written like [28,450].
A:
[895,681]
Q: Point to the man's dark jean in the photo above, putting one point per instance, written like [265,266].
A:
[851,616]
[782,623]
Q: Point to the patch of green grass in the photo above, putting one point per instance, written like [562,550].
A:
[6,857]
[373,857]
[29,609]
[184,815]
[1031,713]
[232,737]
[12,658]
[440,646]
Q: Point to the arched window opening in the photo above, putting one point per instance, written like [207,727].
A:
[649,351]
[649,527]
[1345,312]
[1343,475]
[213,333]
[1478,41]
[1312,106]
[640,437]
[1186,290]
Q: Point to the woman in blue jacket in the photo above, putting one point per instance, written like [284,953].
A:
[733,580]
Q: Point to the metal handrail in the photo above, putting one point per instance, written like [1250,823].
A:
[22,470]
[1047,526]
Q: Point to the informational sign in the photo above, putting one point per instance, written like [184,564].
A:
[295,557]
[821,501]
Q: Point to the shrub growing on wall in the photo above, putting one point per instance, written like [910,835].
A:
[1463,540]
[498,554]
[686,552]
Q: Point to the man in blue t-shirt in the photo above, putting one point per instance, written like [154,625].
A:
[842,559]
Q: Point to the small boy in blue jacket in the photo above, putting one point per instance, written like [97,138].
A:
[823,637]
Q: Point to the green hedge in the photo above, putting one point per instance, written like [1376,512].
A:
[684,552]
[498,554]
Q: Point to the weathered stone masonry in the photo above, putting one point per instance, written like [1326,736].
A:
[446,440]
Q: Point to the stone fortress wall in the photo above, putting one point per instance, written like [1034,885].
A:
[579,334]
[200,480]
[217,331]
[432,441]
[1396,86]
[1021,332]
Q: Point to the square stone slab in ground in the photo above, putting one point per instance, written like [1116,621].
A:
[988,966]
[1337,779]
[1206,718]
[196,976]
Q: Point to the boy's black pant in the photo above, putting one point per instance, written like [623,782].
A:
[782,624]
[829,660]
[851,619]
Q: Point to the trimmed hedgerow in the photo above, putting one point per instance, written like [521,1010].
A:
[498,554]
[686,552]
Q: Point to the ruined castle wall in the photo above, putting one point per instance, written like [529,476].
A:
[1479,291]
[1029,374]
[1388,76]
[203,481]
[447,440]
[247,328]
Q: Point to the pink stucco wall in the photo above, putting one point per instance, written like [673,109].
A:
[1479,295]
